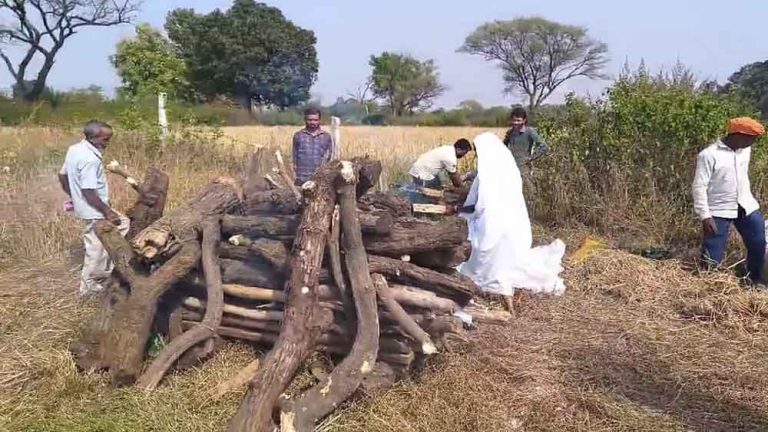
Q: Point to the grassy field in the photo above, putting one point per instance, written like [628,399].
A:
[633,345]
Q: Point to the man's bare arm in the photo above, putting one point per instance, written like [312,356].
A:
[64,182]
[456,179]
[92,198]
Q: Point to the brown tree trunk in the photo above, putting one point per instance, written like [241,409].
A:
[395,205]
[180,225]
[213,311]
[304,320]
[254,272]
[410,237]
[401,316]
[149,207]
[283,226]
[125,343]
[455,287]
[324,397]
[274,252]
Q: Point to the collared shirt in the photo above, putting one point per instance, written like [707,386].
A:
[721,183]
[310,151]
[525,144]
[428,166]
[85,170]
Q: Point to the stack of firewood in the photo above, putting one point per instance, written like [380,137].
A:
[328,266]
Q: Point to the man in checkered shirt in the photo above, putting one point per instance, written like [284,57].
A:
[311,146]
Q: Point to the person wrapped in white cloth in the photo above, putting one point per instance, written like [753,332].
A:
[502,258]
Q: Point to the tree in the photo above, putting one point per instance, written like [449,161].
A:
[406,83]
[750,83]
[360,95]
[42,27]
[147,65]
[470,105]
[250,52]
[537,55]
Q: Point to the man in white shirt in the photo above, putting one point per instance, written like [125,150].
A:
[82,177]
[425,172]
[722,196]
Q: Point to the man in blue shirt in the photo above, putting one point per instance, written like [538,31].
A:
[82,177]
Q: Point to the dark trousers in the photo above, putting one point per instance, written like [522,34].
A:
[751,227]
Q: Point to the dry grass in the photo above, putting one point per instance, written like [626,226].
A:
[634,345]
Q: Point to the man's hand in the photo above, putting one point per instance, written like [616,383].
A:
[709,227]
[113,217]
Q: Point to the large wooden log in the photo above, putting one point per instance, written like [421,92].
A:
[413,236]
[401,316]
[213,311]
[148,208]
[180,225]
[413,297]
[151,202]
[274,252]
[455,287]
[323,398]
[124,345]
[304,320]
[397,206]
[255,169]
[276,201]
[375,222]
[254,272]
[442,259]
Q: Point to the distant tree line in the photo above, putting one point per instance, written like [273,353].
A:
[252,56]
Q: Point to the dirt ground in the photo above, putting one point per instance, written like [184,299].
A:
[633,345]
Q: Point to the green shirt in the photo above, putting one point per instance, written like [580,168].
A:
[525,144]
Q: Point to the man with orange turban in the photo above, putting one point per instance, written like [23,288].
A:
[722,196]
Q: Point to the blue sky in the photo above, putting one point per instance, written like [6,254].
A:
[714,38]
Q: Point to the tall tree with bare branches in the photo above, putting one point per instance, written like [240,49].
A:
[40,28]
[537,56]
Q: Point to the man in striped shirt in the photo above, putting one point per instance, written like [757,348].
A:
[311,146]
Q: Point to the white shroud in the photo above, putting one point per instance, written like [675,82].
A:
[502,259]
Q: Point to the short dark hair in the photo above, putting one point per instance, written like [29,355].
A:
[519,112]
[463,144]
[313,111]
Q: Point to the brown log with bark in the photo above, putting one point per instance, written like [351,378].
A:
[213,311]
[334,259]
[275,201]
[401,316]
[180,225]
[413,236]
[150,204]
[254,272]
[455,287]
[124,345]
[410,296]
[442,258]
[304,320]
[274,252]
[255,170]
[389,202]
[323,398]
[87,349]
[375,222]
[148,208]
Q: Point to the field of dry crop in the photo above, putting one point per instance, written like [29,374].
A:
[633,345]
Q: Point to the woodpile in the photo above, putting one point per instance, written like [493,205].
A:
[330,266]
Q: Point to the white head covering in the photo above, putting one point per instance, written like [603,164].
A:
[500,230]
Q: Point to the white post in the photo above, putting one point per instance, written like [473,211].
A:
[162,119]
[336,136]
